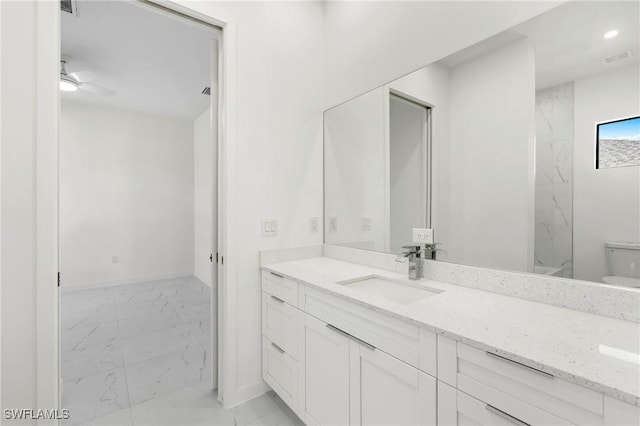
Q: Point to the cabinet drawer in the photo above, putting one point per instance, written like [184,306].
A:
[279,323]
[405,341]
[473,411]
[280,371]
[495,380]
[280,287]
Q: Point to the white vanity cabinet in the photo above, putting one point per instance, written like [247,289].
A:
[354,366]
[347,381]
[324,374]
[280,318]
[338,362]
[387,391]
[480,387]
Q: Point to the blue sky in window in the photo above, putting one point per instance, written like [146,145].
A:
[621,130]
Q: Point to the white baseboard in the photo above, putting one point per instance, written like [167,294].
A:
[203,279]
[67,288]
[247,393]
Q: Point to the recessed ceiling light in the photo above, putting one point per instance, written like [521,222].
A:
[611,34]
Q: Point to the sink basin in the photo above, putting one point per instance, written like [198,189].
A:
[398,291]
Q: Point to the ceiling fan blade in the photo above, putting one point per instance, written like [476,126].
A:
[83,76]
[96,89]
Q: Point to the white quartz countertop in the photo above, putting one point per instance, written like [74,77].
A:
[598,352]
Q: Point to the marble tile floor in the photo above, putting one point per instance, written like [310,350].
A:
[140,354]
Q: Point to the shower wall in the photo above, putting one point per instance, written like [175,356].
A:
[554,178]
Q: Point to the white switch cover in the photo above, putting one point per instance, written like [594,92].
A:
[365,223]
[269,227]
[423,235]
[313,224]
[333,224]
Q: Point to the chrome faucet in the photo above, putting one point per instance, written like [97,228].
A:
[415,263]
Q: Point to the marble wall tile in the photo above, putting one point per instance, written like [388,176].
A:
[554,177]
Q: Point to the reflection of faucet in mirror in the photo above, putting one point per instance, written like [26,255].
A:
[415,263]
[430,251]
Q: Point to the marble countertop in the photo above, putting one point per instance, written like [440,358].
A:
[594,351]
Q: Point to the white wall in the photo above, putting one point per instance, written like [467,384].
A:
[492,176]
[278,147]
[126,192]
[606,202]
[370,43]
[18,274]
[356,160]
[205,156]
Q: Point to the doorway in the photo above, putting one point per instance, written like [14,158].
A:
[138,207]
[409,169]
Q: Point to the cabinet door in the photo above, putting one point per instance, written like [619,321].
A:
[386,391]
[324,375]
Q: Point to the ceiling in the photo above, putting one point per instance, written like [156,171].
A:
[568,40]
[157,63]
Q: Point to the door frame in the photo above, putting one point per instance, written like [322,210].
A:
[47,114]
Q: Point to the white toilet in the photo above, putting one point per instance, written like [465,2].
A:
[623,261]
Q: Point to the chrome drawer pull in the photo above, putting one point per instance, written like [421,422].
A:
[277,299]
[505,416]
[337,330]
[345,334]
[278,348]
[363,343]
[535,370]
[277,275]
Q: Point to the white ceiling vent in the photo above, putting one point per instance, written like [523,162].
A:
[615,58]
[69,6]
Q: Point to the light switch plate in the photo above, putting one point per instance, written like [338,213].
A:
[333,224]
[423,235]
[269,227]
[365,223]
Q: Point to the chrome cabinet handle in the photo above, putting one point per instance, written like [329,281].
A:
[352,337]
[337,330]
[278,348]
[507,417]
[535,370]
[277,275]
[277,299]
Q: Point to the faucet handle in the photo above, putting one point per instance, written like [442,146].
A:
[414,249]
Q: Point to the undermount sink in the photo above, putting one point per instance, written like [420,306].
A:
[386,288]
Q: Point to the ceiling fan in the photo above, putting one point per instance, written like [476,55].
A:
[80,81]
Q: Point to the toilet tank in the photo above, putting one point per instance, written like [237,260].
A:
[623,259]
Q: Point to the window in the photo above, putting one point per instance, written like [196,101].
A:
[618,143]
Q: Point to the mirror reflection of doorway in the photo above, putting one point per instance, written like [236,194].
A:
[409,170]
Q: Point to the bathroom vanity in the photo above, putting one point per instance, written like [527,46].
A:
[339,349]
